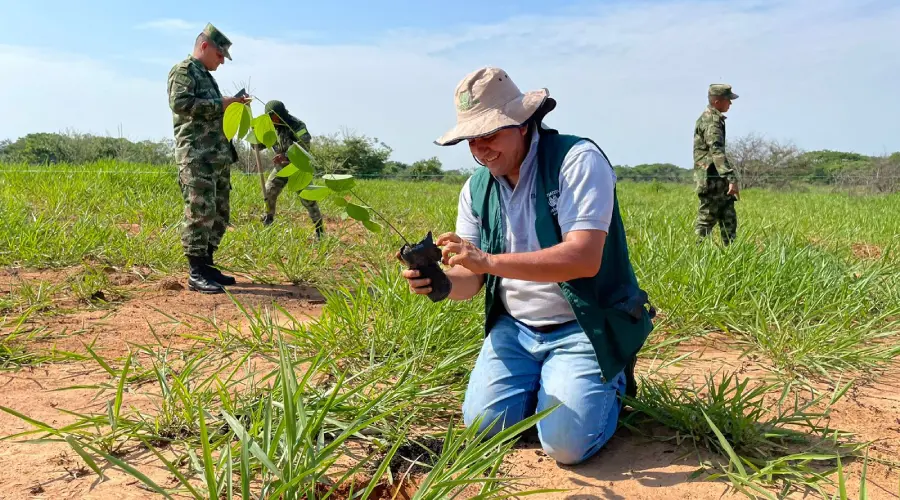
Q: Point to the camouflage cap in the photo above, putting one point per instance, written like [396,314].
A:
[722,90]
[276,107]
[218,38]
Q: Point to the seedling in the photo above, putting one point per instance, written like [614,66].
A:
[424,255]
[240,122]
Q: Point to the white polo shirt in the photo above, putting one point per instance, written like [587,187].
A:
[586,187]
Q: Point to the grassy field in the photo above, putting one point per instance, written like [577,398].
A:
[368,391]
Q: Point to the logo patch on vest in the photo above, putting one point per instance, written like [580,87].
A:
[553,201]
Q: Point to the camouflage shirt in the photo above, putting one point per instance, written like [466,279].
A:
[709,147]
[197,115]
[288,134]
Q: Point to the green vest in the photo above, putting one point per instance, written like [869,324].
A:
[609,306]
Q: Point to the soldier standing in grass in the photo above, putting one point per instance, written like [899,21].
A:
[539,229]
[290,129]
[204,156]
[717,185]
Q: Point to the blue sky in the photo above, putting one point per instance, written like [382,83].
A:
[630,74]
[335,22]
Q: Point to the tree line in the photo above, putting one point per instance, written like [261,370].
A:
[774,164]
[347,152]
[760,162]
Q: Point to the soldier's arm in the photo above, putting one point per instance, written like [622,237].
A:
[184,101]
[303,136]
[715,139]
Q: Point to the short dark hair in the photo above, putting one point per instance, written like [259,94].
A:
[200,39]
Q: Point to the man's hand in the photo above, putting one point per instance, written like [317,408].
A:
[463,253]
[732,189]
[280,160]
[417,284]
[227,101]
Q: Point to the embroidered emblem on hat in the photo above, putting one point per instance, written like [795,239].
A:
[465,101]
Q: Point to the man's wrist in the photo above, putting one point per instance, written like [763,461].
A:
[490,263]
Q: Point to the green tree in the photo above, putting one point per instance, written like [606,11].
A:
[353,154]
[429,169]
[653,172]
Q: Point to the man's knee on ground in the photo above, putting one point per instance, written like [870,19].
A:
[565,447]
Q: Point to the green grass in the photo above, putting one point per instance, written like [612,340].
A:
[269,408]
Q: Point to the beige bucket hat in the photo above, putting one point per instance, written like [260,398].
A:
[487,100]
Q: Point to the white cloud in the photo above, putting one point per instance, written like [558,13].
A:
[170,25]
[633,77]
[53,92]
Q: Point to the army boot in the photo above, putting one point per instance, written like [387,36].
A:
[268,219]
[198,279]
[215,274]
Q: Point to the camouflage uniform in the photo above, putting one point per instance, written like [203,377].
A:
[290,130]
[713,172]
[203,154]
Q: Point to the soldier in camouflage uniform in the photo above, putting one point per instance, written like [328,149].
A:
[204,156]
[289,129]
[717,185]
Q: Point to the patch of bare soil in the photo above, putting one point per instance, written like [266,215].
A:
[866,251]
[54,470]
[163,309]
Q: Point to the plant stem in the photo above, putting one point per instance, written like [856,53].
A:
[381,217]
[357,196]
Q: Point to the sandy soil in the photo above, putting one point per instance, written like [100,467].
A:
[630,467]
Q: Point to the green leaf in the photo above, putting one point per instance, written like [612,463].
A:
[287,171]
[132,472]
[372,226]
[300,158]
[357,212]
[251,137]
[265,130]
[120,390]
[339,182]
[299,181]
[248,444]
[88,459]
[341,202]
[735,460]
[246,120]
[863,493]
[234,117]
[315,193]
[208,465]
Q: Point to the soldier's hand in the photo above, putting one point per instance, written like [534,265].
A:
[228,101]
[732,189]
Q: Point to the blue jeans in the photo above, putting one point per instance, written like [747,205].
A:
[520,371]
